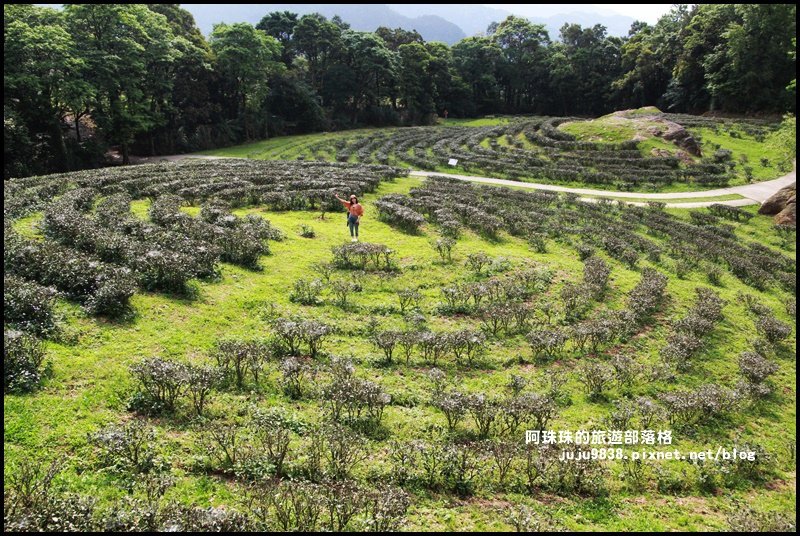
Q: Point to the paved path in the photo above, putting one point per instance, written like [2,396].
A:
[761,191]
[752,193]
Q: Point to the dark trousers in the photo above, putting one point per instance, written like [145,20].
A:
[352,223]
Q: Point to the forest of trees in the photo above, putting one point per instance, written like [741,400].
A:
[143,78]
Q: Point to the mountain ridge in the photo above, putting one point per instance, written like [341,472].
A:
[361,17]
[435,22]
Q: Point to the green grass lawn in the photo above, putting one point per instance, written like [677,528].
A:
[603,130]
[765,160]
[489,121]
[613,129]
[90,384]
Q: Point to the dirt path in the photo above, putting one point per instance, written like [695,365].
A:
[753,193]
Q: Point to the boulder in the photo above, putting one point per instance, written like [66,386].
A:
[782,205]
[675,133]
[681,137]
[787,216]
[779,200]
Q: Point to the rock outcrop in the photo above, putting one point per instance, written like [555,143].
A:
[672,132]
[650,121]
[782,206]
[681,137]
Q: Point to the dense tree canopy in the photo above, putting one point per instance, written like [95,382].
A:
[143,78]
[246,59]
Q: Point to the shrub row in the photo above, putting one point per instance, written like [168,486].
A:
[686,338]
[363,256]
[403,217]
[28,306]
[103,289]
[465,345]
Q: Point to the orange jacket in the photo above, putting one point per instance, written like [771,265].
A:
[355,209]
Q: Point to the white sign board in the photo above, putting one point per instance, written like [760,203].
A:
[453,162]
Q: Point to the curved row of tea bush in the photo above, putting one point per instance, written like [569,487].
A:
[533,149]
[612,226]
[275,184]
[95,251]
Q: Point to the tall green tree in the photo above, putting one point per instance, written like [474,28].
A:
[583,64]
[189,104]
[750,68]
[394,37]
[371,67]
[417,90]
[649,57]
[246,58]
[451,93]
[281,25]
[319,41]
[477,60]
[44,77]
[181,22]
[701,37]
[523,72]
[127,49]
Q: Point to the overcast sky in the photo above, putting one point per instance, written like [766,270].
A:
[645,12]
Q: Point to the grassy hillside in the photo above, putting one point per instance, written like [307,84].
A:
[616,152]
[90,385]
[756,155]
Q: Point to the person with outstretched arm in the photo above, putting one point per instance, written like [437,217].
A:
[354,212]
